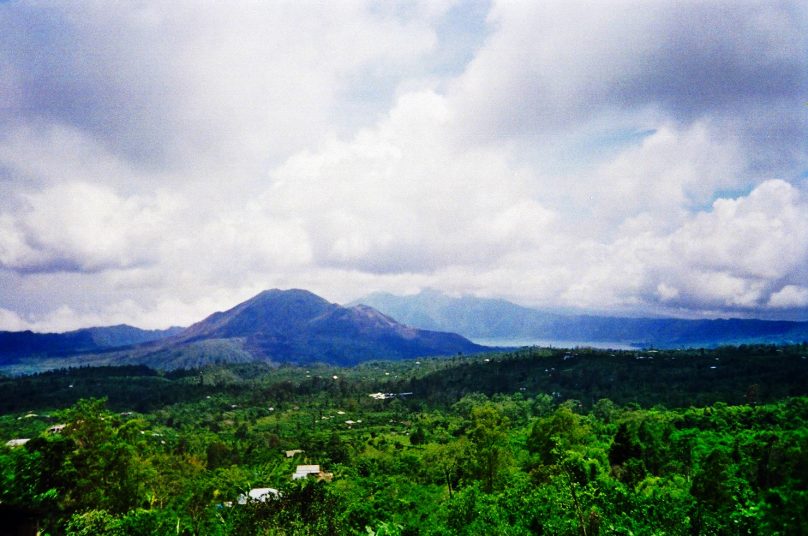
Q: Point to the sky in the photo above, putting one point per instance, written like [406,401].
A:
[163,160]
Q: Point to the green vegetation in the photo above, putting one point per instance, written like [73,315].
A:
[580,442]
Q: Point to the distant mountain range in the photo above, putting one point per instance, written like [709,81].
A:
[27,343]
[296,326]
[485,319]
[274,326]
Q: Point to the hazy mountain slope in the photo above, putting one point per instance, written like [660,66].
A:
[15,344]
[487,318]
[125,335]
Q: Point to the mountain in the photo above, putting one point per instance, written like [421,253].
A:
[473,317]
[275,326]
[16,344]
[125,335]
[480,318]
[296,325]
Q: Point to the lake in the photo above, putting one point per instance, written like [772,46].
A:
[548,343]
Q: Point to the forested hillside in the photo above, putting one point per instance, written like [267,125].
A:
[529,442]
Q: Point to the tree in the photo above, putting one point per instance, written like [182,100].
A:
[101,470]
[489,450]
[551,436]
[447,459]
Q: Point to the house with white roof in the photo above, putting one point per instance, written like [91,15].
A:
[303,471]
[259,495]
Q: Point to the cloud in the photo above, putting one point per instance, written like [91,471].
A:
[179,83]
[550,67]
[739,256]
[743,254]
[160,161]
[763,235]
[655,181]
[11,321]
[790,296]
[81,227]
[399,198]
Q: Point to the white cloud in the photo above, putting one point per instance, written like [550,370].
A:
[763,235]
[79,226]
[790,296]
[58,153]
[400,197]
[730,257]
[11,321]
[183,83]
[667,292]
[740,256]
[669,171]
[652,184]
[160,161]
[251,238]
[551,67]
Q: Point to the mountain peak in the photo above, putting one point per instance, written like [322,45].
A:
[269,312]
[298,325]
[275,292]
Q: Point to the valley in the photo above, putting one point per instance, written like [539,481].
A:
[534,440]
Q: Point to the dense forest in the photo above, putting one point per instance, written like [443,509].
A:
[535,441]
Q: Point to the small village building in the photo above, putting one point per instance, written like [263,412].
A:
[56,428]
[304,471]
[292,453]
[12,443]
[258,494]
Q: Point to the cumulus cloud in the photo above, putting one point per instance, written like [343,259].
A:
[763,235]
[790,296]
[161,161]
[551,66]
[656,181]
[11,321]
[397,197]
[742,254]
[81,227]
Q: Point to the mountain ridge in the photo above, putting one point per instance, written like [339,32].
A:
[297,325]
[275,326]
[15,344]
[485,318]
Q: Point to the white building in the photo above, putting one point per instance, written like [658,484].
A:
[258,494]
[303,471]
